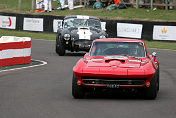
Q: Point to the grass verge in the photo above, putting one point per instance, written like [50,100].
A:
[33,35]
[51,36]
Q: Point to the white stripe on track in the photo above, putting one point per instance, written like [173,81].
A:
[43,63]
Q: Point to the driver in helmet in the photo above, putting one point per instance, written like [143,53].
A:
[133,51]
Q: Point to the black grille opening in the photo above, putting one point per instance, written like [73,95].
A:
[112,81]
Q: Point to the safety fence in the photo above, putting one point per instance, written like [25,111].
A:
[145,30]
[15,50]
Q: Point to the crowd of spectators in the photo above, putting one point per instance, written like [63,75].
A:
[46,6]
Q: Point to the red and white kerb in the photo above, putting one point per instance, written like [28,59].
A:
[14,50]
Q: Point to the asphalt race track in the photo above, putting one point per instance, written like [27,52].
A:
[45,91]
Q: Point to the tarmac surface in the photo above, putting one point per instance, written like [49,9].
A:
[45,91]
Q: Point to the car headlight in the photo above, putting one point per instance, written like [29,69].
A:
[67,36]
[102,37]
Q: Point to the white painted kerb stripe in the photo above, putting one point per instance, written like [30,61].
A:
[43,63]
[10,53]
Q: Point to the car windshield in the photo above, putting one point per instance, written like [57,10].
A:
[133,49]
[75,22]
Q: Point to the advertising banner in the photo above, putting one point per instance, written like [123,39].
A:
[164,32]
[103,26]
[33,24]
[56,24]
[8,22]
[129,30]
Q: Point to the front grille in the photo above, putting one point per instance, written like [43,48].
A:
[113,81]
[83,42]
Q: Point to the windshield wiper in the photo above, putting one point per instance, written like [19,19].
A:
[130,56]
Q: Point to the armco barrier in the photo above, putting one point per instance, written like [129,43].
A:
[45,24]
[14,50]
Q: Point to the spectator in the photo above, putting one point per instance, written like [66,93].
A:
[70,4]
[39,4]
[48,6]
[171,2]
[58,2]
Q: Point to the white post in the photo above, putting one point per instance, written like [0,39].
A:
[84,3]
[151,5]
[19,5]
[33,5]
[137,4]
[166,2]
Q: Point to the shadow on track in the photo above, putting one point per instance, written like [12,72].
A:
[75,54]
[115,96]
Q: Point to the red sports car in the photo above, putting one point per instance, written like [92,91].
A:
[117,64]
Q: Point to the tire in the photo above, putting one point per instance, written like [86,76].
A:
[60,49]
[152,91]
[77,90]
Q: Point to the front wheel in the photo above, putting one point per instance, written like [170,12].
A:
[60,49]
[77,90]
[152,91]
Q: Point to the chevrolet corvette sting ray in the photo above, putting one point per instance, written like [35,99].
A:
[117,64]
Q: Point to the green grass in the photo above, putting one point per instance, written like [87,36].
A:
[129,14]
[51,36]
[12,5]
[161,45]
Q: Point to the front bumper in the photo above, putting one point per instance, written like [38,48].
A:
[82,44]
[113,82]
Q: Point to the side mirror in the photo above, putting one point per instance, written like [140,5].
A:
[154,54]
[86,55]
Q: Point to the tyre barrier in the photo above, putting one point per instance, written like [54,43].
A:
[15,50]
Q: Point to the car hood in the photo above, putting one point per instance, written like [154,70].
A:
[114,65]
[114,61]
